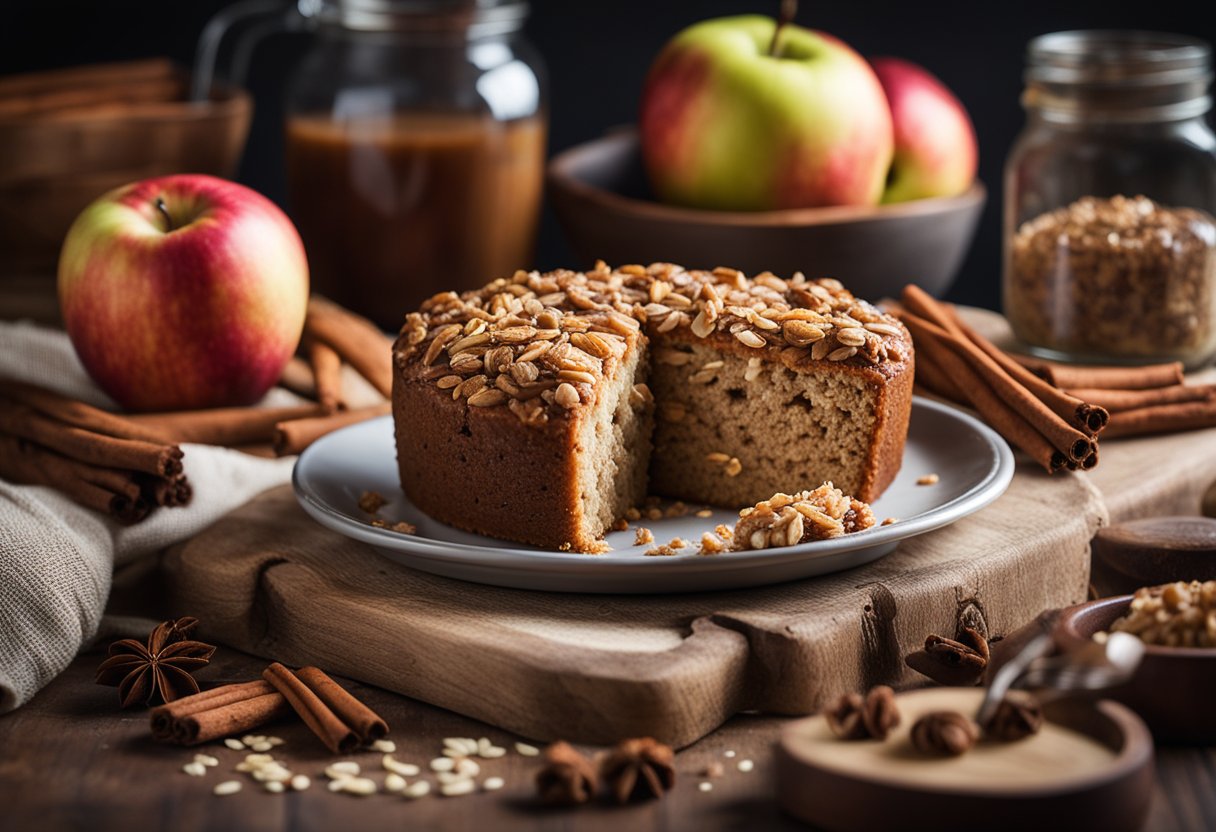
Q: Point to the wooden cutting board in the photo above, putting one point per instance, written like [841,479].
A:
[268,580]
[594,669]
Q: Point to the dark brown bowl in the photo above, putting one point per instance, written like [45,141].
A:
[599,192]
[1153,551]
[1172,689]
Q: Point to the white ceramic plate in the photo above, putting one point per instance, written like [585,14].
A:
[974,465]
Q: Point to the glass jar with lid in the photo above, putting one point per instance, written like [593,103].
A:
[1110,191]
[415,146]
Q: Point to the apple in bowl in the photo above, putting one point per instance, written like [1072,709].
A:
[935,146]
[183,292]
[745,114]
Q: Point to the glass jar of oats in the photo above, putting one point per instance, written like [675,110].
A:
[1110,191]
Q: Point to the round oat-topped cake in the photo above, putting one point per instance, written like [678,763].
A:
[542,406]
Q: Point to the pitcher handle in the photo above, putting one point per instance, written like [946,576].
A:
[272,16]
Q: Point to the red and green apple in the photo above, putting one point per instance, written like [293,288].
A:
[183,292]
[735,119]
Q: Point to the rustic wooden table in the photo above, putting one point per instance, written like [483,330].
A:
[72,760]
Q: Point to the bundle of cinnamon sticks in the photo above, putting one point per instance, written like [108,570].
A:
[127,465]
[1055,413]
[339,720]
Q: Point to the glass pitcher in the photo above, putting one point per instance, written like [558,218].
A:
[415,143]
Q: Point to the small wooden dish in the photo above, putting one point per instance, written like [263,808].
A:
[1091,767]
[1153,551]
[600,195]
[1173,687]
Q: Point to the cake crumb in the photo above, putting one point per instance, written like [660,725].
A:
[705,512]
[632,514]
[371,502]
[642,536]
[660,551]
[654,514]
[676,509]
[621,525]
[928,479]
[400,526]
[889,521]
[677,543]
[734,467]
[600,547]
[711,544]
[724,531]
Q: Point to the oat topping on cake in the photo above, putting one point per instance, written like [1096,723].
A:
[538,344]
[789,519]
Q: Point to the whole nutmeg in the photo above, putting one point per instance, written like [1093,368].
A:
[944,734]
[1014,720]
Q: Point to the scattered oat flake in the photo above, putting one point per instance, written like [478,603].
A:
[384,746]
[889,521]
[227,787]
[705,512]
[195,769]
[746,765]
[928,479]
[527,750]
[274,787]
[234,744]
[705,786]
[372,501]
[493,784]
[729,753]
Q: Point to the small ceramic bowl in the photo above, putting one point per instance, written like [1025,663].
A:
[1153,551]
[1173,687]
[599,192]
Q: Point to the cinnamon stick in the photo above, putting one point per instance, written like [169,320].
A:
[327,374]
[292,437]
[1020,407]
[87,446]
[1117,400]
[356,340]
[219,712]
[78,414]
[365,722]
[1008,422]
[298,378]
[1067,376]
[328,726]
[1085,415]
[106,490]
[1164,418]
[222,426]
[930,376]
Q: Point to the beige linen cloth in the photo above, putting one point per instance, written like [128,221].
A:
[57,558]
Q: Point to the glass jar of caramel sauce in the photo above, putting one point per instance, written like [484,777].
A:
[415,148]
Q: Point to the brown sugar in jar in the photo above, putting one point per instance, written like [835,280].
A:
[1110,242]
[1119,276]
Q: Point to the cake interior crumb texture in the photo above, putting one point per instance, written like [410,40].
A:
[790,431]
[613,449]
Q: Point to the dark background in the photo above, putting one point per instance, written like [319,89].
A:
[597,53]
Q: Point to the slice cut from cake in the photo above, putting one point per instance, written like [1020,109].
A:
[527,410]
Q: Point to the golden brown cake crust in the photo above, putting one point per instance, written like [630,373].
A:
[490,386]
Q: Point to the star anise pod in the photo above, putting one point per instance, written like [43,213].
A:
[856,717]
[639,769]
[567,777]
[160,668]
[1014,719]
[970,650]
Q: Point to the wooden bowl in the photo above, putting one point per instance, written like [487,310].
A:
[599,192]
[53,164]
[1153,551]
[1091,767]
[1173,687]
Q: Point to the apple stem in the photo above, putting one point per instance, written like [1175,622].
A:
[789,8]
[164,212]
